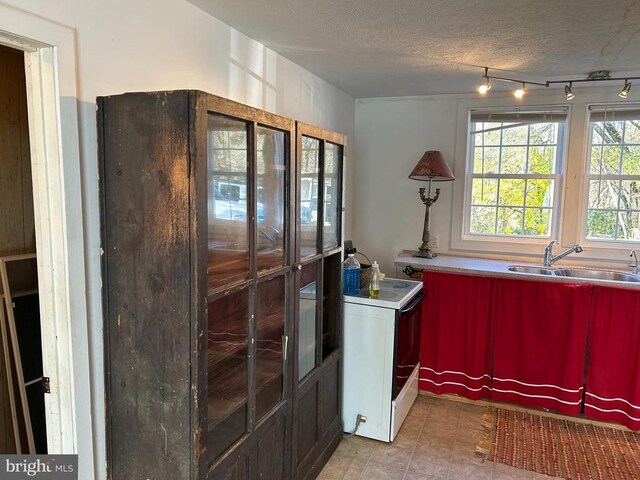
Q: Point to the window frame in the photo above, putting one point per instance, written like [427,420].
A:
[557,177]
[604,243]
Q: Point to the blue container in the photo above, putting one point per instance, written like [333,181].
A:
[351,276]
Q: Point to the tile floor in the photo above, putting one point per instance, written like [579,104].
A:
[437,441]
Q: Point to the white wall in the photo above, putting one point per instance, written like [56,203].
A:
[393,133]
[145,45]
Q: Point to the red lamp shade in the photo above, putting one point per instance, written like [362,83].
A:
[432,166]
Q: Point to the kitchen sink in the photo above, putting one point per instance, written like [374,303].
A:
[530,269]
[597,274]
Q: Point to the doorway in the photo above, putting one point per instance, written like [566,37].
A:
[22,411]
[49,50]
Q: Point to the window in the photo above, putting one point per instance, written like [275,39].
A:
[613,175]
[514,172]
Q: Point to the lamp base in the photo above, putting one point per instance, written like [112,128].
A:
[424,253]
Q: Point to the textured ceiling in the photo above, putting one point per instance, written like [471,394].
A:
[374,48]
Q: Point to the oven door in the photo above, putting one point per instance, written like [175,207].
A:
[407,345]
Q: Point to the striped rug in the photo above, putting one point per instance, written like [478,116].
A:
[559,448]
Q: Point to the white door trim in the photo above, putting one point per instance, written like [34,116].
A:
[53,130]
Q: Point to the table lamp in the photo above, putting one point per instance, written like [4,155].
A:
[431,168]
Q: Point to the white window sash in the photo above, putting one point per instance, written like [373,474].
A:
[556,177]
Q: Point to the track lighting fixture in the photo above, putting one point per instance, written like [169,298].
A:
[483,89]
[598,76]
[625,90]
[568,92]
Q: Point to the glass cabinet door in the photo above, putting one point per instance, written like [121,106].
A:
[307,314]
[270,320]
[308,181]
[249,265]
[227,201]
[227,368]
[318,326]
[332,196]
[270,195]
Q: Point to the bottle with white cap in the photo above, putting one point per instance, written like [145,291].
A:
[374,285]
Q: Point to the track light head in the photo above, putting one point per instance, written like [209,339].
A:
[625,90]
[568,91]
[483,89]
[519,93]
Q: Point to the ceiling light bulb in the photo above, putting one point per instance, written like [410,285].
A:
[483,89]
[625,90]
[568,92]
[519,93]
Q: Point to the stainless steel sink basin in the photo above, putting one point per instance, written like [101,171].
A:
[530,269]
[597,274]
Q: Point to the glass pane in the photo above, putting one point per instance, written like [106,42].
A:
[543,134]
[632,132]
[227,369]
[596,133]
[537,222]
[512,191]
[603,194]
[493,137]
[595,163]
[485,191]
[630,195]
[331,298]
[228,233]
[601,224]
[539,193]
[486,160]
[510,221]
[309,179]
[515,135]
[542,159]
[332,193]
[628,225]
[483,220]
[270,315]
[307,343]
[631,160]
[610,160]
[270,193]
[514,160]
[611,131]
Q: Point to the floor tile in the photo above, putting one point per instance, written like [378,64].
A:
[382,472]
[427,462]
[464,470]
[391,456]
[507,472]
[359,447]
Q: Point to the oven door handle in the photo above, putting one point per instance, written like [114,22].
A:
[415,302]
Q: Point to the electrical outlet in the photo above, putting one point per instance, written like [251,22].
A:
[434,241]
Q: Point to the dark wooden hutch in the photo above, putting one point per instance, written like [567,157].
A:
[221,237]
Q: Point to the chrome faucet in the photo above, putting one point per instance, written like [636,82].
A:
[634,265]
[548,253]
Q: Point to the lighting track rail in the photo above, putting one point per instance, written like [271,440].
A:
[597,76]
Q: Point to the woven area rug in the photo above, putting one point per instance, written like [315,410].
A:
[559,448]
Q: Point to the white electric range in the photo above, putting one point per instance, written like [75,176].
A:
[381,357]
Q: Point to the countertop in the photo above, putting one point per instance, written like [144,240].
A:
[498,268]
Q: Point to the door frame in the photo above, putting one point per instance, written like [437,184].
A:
[53,131]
